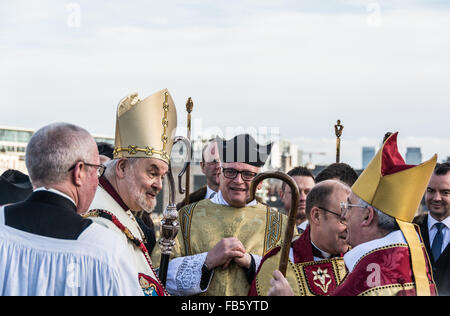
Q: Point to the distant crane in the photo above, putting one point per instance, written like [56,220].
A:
[309,164]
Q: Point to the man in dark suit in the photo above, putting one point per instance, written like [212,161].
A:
[210,165]
[435,226]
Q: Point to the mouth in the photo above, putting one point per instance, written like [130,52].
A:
[151,194]
[238,189]
[436,205]
[301,206]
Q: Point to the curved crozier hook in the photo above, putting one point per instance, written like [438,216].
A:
[187,159]
[295,196]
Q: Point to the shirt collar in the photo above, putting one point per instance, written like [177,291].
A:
[56,192]
[355,254]
[209,191]
[303,225]
[324,255]
[432,221]
[218,199]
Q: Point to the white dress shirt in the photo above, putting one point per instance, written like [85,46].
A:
[209,192]
[432,230]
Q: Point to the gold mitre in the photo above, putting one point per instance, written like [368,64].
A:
[392,186]
[145,128]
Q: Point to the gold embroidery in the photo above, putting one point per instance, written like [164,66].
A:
[322,276]
[273,230]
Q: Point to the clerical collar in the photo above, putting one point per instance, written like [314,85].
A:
[218,199]
[56,192]
[317,252]
[105,184]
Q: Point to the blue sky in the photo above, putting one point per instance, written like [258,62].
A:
[294,65]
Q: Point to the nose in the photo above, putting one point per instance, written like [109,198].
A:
[238,178]
[436,196]
[158,183]
[302,196]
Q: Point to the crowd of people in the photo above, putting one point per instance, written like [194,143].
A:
[79,222]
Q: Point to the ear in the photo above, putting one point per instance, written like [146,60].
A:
[368,217]
[315,215]
[77,175]
[202,166]
[121,165]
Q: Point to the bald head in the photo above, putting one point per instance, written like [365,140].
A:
[321,194]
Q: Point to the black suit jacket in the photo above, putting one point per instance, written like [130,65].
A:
[47,214]
[441,268]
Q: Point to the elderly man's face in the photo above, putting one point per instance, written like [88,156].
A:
[236,191]
[437,196]
[354,217]
[143,181]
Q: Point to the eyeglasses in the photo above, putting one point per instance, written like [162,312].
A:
[345,207]
[231,173]
[100,168]
[341,218]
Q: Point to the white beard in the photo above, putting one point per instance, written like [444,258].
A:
[140,197]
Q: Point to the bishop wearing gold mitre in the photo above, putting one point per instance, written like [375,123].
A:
[222,238]
[388,256]
[132,180]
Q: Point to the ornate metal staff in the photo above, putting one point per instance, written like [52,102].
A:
[187,167]
[295,196]
[169,223]
[338,130]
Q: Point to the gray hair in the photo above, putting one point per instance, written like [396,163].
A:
[111,166]
[54,149]
[385,222]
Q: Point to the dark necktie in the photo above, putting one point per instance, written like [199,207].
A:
[437,242]
[212,195]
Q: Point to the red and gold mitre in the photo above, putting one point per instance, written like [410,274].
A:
[145,128]
[392,186]
[396,189]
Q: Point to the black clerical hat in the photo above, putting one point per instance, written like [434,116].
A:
[243,148]
[15,186]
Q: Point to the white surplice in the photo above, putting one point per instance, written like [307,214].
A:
[94,264]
